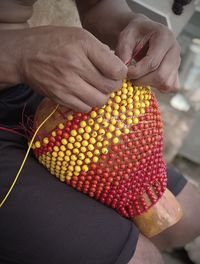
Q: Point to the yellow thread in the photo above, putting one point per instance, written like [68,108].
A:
[25,158]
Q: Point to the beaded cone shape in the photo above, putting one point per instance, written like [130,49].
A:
[113,153]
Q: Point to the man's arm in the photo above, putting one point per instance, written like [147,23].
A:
[105,18]
[116,25]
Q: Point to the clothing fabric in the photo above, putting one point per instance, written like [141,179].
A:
[46,221]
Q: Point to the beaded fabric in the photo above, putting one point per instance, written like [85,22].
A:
[113,154]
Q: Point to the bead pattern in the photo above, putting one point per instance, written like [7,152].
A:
[113,154]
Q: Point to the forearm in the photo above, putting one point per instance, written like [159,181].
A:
[106,19]
[10,52]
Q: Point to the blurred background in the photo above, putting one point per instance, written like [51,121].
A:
[180,112]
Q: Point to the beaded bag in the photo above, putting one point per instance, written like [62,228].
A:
[113,154]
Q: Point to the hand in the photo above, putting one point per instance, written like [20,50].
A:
[159,66]
[70,66]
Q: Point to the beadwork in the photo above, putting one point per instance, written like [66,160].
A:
[113,154]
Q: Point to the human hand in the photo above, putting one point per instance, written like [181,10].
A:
[159,66]
[70,66]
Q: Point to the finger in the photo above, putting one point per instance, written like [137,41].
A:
[164,77]
[106,61]
[89,94]
[97,80]
[126,45]
[159,45]
[73,103]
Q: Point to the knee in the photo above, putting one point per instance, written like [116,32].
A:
[146,253]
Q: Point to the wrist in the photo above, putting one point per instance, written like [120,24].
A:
[11,48]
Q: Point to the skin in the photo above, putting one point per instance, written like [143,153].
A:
[54,71]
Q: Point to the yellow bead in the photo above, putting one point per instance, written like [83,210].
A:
[70,146]
[77,168]
[118,133]
[142,104]
[70,168]
[63,148]
[136,98]
[53,159]
[109,135]
[129,100]
[99,119]
[96,152]
[142,97]
[61,154]
[130,88]
[100,138]
[56,148]
[130,106]
[137,93]
[115,140]
[94,134]
[73,157]
[45,140]
[64,168]
[130,113]
[79,138]
[99,144]
[101,111]
[111,128]
[135,120]
[117,99]
[147,103]
[113,121]
[57,168]
[61,126]
[64,141]
[68,152]
[79,162]
[124,103]
[107,115]
[75,151]
[136,112]
[124,91]
[137,104]
[91,122]
[126,130]
[142,110]
[53,133]
[116,106]
[122,109]
[101,131]
[88,129]
[73,132]
[90,147]
[83,124]
[124,85]
[76,173]
[95,159]
[129,121]
[96,127]
[87,161]
[37,144]
[54,154]
[73,163]
[112,95]
[119,92]
[122,117]
[120,125]
[105,124]
[115,112]
[81,156]
[83,149]
[69,117]
[60,158]
[104,150]
[92,140]
[77,144]
[86,136]
[108,109]
[85,143]
[93,114]
[71,139]
[85,168]
[81,130]
[67,158]
[124,97]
